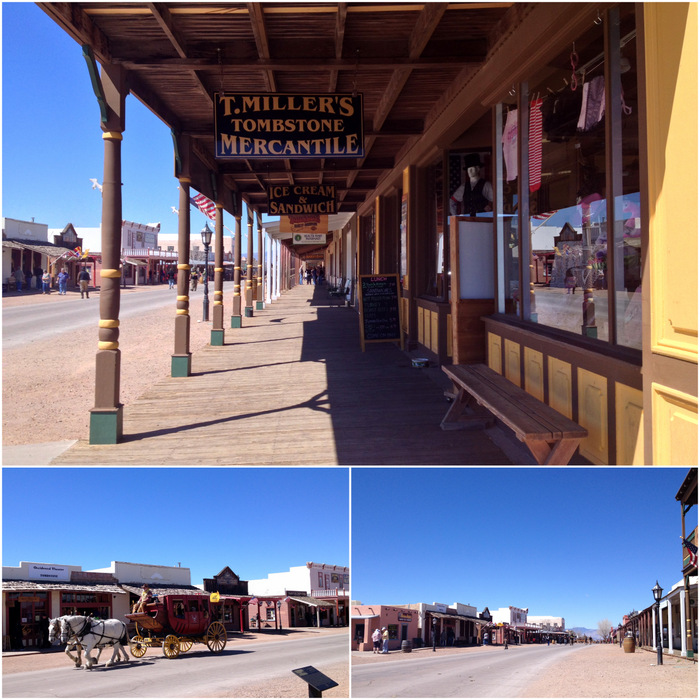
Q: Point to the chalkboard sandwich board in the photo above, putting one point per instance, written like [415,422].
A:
[380,319]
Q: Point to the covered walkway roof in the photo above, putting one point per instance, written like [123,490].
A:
[406,60]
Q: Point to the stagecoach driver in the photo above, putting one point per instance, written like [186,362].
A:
[146,597]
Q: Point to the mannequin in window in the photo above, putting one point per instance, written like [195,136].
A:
[475,195]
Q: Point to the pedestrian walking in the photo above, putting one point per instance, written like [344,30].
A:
[505,643]
[376,640]
[385,640]
[171,278]
[62,281]
[84,281]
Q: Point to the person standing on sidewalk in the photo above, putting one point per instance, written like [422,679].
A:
[385,640]
[46,283]
[62,281]
[19,278]
[84,280]
[376,640]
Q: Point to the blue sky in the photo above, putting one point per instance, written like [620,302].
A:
[583,544]
[52,141]
[257,521]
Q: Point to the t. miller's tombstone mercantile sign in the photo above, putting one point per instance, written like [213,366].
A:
[270,125]
[300,199]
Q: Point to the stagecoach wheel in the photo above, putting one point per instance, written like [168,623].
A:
[185,644]
[137,646]
[171,646]
[216,637]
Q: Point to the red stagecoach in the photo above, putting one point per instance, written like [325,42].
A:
[176,622]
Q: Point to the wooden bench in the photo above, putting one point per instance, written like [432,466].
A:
[551,437]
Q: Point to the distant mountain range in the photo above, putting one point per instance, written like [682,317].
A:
[585,632]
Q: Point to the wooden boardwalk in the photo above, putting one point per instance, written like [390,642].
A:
[292,387]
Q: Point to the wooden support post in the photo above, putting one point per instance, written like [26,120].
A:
[236,313]
[107,415]
[217,327]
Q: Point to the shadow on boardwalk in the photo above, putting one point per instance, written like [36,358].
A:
[293,387]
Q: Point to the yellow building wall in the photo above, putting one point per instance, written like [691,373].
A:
[434,331]
[534,373]
[676,425]
[629,438]
[512,361]
[670,283]
[560,387]
[593,415]
[421,325]
[494,345]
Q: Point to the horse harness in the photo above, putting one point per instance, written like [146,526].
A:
[89,628]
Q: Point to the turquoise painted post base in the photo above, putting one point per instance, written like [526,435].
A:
[217,338]
[106,425]
[259,305]
[181,365]
[236,322]
[248,311]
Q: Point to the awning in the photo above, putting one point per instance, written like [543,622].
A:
[455,616]
[21,586]
[135,262]
[362,617]
[314,602]
[52,251]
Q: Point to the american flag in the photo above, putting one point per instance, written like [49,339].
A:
[205,205]
[692,551]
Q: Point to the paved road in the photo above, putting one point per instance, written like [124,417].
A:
[198,673]
[482,673]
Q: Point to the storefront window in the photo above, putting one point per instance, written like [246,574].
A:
[585,275]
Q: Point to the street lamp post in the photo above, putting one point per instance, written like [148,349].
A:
[206,240]
[658,593]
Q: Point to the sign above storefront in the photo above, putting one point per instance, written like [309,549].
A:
[309,238]
[301,199]
[45,572]
[274,125]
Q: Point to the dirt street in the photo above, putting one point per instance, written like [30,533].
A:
[606,671]
[53,381]
[596,671]
[282,687]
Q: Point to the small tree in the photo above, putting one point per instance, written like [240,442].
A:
[604,626]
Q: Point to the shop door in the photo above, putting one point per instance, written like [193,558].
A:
[404,633]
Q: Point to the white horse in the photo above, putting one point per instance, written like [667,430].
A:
[89,633]
[72,645]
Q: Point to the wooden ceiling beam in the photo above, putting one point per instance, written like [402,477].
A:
[77,24]
[340,19]
[257,24]
[304,63]
[164,18]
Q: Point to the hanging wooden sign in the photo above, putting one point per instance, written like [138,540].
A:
[300,199]
[275,125]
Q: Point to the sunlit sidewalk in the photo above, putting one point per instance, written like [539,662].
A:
[293,387]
